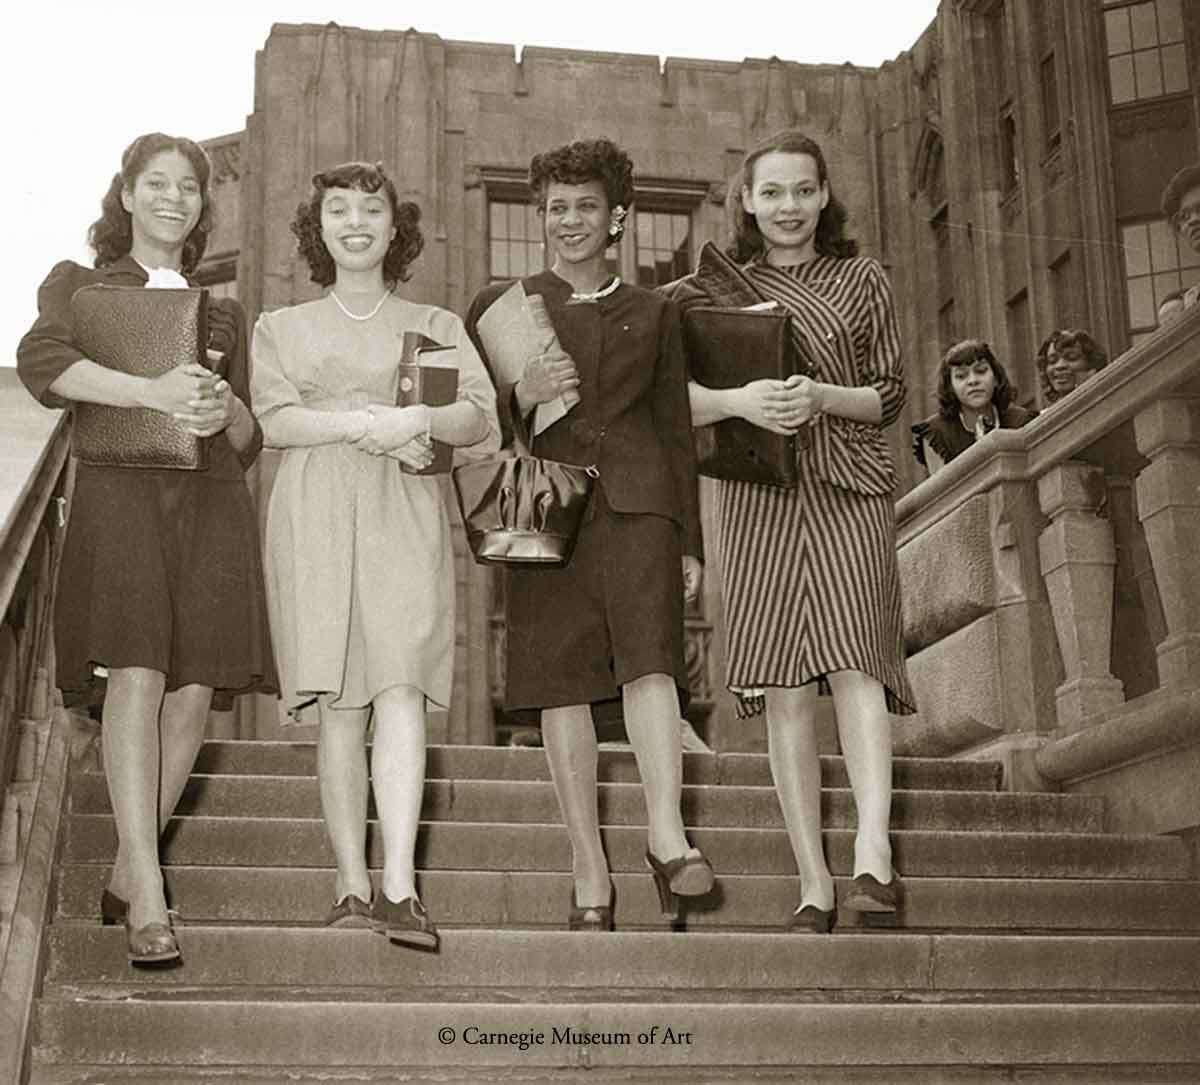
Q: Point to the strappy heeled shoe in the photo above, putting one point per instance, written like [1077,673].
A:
[687,875]
[113,909]
[152,946]
[592,917]
[868,894]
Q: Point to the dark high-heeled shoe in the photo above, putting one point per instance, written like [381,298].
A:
[152,946]
[592,917]
[868,894]
[812,920]
[684,876]
[113,909]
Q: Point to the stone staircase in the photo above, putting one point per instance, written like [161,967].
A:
[1035,945]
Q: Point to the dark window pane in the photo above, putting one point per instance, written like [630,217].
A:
[1136,247]
[1116,29]
[1148,70]
[1175,73]
[1120,75]
[1170,20]
[1142,311]
[1144,26]
[1164,252]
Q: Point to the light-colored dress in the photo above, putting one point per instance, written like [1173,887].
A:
[358,557]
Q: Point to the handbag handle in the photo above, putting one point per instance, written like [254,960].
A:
[521,440]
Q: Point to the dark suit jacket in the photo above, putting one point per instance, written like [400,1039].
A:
[633,420]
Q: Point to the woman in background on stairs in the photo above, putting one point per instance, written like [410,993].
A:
[160,586]
[609,626]
[359,564]
[809,575]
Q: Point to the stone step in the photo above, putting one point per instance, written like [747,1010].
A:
[727,806]
[87,960]
[261,758]
[267,842]
[513,1074]
[493,899]
[164,1029]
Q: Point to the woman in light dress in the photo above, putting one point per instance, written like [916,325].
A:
[360,571]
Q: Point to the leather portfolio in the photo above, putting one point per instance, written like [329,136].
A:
[429,375]
[727,348]
[144,333]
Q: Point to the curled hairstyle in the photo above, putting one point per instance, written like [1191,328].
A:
[1093,354]
[964,353]
[111,235]
[582,161]
[405,246]
[746,240]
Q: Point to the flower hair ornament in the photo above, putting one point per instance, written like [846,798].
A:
[616,226]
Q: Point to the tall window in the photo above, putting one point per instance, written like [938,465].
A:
[515,241]
[1156,263]
[1066,290]
[947,321]
[1146,53]
[1020,363]
[664,246]
[1051,123]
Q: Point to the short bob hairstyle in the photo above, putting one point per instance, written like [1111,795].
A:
[581,161]
[746,240]
[405,247]
[964,353]
[1093,354]
[111,235]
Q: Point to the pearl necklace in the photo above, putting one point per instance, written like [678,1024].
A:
[596,295]
[355,316]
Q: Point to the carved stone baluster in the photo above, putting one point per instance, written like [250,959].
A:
[1077,559]
[1168,498]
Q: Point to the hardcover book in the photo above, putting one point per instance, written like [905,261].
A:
[428,374]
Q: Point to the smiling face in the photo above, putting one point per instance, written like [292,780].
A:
[1061,367]
[786,199]
[357,228]
[973,383]
[1187,219]
[164,204]
[577,218]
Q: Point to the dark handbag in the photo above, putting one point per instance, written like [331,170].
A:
[727,348]
[144,333]
[522,510]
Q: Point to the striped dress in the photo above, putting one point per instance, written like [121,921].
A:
[810,578]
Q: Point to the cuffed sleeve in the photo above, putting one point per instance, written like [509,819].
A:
[883,360]
[673,423]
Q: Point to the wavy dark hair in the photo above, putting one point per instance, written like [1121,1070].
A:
[111,235]
[964,353]
[1093,353]
[746,240]
[581,161]
[405,246]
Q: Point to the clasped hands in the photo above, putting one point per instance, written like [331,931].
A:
[199,398]
[399,432]
[781,406]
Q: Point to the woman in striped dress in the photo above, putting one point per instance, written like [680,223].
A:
[811,587]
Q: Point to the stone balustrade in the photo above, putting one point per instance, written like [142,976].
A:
[1052,591]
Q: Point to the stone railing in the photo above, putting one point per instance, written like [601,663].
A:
[35,476]
[1052,591]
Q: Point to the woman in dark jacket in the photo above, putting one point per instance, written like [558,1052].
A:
[160,587]
[609,626]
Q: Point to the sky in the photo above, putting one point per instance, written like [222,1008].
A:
[80,79]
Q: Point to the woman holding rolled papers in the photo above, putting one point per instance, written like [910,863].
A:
[160,584]
[809,575]
[360,569]
[606,629]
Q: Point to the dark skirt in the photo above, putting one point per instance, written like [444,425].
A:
[615,613]
[162,569]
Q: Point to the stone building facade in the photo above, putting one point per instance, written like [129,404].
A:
[1005,169]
